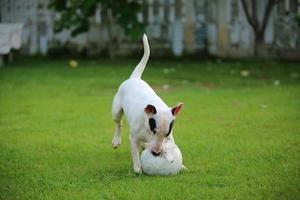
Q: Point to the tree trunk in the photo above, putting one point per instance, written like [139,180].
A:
[260,47]
[258,43]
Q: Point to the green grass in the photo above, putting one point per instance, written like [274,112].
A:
[239,135]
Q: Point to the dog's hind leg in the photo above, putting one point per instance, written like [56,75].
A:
[117,113]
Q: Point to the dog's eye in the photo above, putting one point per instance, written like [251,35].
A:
[152,125]
[170,128]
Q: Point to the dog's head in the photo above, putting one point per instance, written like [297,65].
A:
[160,126]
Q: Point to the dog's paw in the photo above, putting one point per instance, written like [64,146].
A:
[116,142]
[144,145]
[184,168]
[137,170]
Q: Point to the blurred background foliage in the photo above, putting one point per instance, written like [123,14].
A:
[75,15]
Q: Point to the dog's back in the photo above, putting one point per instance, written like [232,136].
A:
[135,94]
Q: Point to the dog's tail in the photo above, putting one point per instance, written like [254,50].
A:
[138,71]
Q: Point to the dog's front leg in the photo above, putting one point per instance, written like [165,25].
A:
[135,155]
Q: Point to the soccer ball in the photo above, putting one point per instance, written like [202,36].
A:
[169,162]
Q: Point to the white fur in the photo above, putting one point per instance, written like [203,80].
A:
[131,99]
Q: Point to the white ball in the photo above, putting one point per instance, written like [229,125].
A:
[169,162]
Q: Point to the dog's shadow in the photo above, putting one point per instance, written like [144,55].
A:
[108,176]
[119,171]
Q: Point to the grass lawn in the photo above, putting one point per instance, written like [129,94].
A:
[239,135]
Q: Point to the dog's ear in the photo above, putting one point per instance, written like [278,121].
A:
[150,110]
[176,109]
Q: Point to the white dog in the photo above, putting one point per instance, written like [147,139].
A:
[150,119]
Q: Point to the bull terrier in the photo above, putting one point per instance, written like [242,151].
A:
[150,119]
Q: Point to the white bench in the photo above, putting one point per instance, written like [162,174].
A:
[10,38]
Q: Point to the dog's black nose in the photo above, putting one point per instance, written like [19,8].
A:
[154,153]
